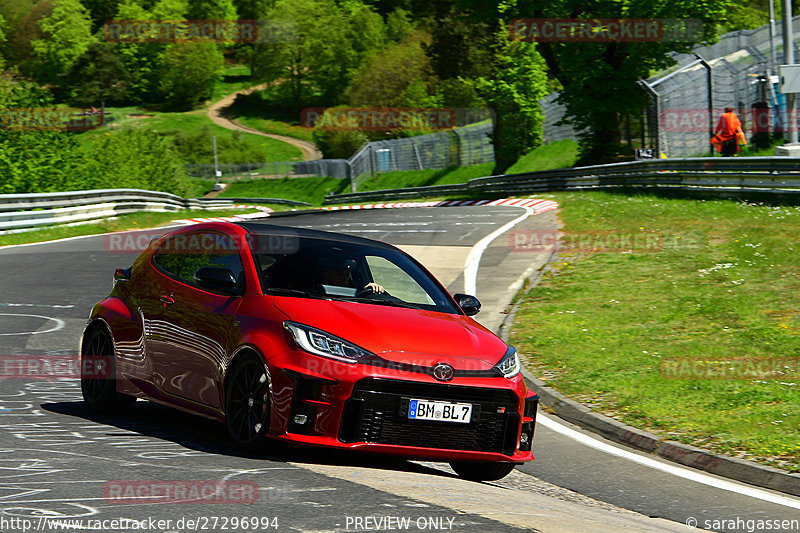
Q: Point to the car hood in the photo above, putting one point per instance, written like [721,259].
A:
[412,336]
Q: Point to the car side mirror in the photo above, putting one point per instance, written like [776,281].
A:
[216,279]
[469,304]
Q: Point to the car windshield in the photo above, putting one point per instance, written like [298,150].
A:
[319,268]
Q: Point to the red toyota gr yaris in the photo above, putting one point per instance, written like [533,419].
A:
[310,337]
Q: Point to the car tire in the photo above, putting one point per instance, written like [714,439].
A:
[247,401]
[482,471]
[100,393]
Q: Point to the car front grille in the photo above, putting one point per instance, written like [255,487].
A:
[377,413]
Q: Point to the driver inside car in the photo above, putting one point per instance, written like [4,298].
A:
[340,274]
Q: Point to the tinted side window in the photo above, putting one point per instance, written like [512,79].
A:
[182,255]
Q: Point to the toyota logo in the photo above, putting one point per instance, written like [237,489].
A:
[443,372]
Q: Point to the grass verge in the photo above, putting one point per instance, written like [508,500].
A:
[606,328]
[120,223]
[311,190]
[557,154]
[424,178]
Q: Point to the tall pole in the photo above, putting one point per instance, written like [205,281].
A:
[216,163]
[788,59]
[774,54]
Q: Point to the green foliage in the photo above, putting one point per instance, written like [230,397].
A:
[195,145]
[190,72]
[212,10]
[97,76]
[65,34]
[330,42]
[101,11]
[600,79]
[398,25]
[513,91]
[134,158]
[384,79]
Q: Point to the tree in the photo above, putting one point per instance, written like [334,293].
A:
[101,11]
[212,10]
[513,90]
[398,25]
[66,34]
[144,62]
[97,76]
[190,71]
[134,158]
[600,79]
[33,161]
[384,78]
[329,41]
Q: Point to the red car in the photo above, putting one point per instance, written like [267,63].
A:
[310,337]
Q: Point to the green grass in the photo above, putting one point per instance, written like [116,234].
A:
[198,187]
[235,77]
[277,127]
[600,325]
[120,223]
[311,190]
[557,154]
[268,149]
[422,178]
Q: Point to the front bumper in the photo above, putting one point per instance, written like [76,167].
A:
[366,409]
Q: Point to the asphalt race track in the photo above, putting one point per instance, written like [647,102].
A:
[58,460]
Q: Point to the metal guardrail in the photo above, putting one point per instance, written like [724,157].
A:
[20,212]
[710,174]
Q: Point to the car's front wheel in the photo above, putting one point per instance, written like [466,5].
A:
[482,471]
[99,375]
[247,403]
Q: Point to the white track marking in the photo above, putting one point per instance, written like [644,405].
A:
[474,257]
[680,471]
[59,325]
[470,283]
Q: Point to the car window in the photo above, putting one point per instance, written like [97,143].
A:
[397,281]
[180,256]
[335,270]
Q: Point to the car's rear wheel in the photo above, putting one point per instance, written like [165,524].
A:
[247,403]
[99,373]
[482,471]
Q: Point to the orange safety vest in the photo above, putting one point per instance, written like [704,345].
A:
[729,127]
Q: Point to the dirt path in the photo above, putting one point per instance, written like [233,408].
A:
[217,113]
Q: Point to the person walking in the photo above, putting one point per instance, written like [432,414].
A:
[728,137]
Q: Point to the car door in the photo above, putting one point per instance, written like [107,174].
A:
[192,328]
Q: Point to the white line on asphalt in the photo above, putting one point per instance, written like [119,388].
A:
[474,257]
[470,284]
[58,326]
[680,471]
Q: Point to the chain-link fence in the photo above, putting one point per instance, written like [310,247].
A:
[686,103]
[468,145]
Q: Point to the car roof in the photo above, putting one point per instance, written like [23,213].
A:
[263,228]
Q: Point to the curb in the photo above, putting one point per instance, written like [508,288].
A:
[639,439]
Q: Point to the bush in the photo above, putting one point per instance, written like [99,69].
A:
[134,158]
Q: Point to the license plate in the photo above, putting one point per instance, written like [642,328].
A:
[439,411]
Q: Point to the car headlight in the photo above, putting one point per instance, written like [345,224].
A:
[509,366]
[318,342]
